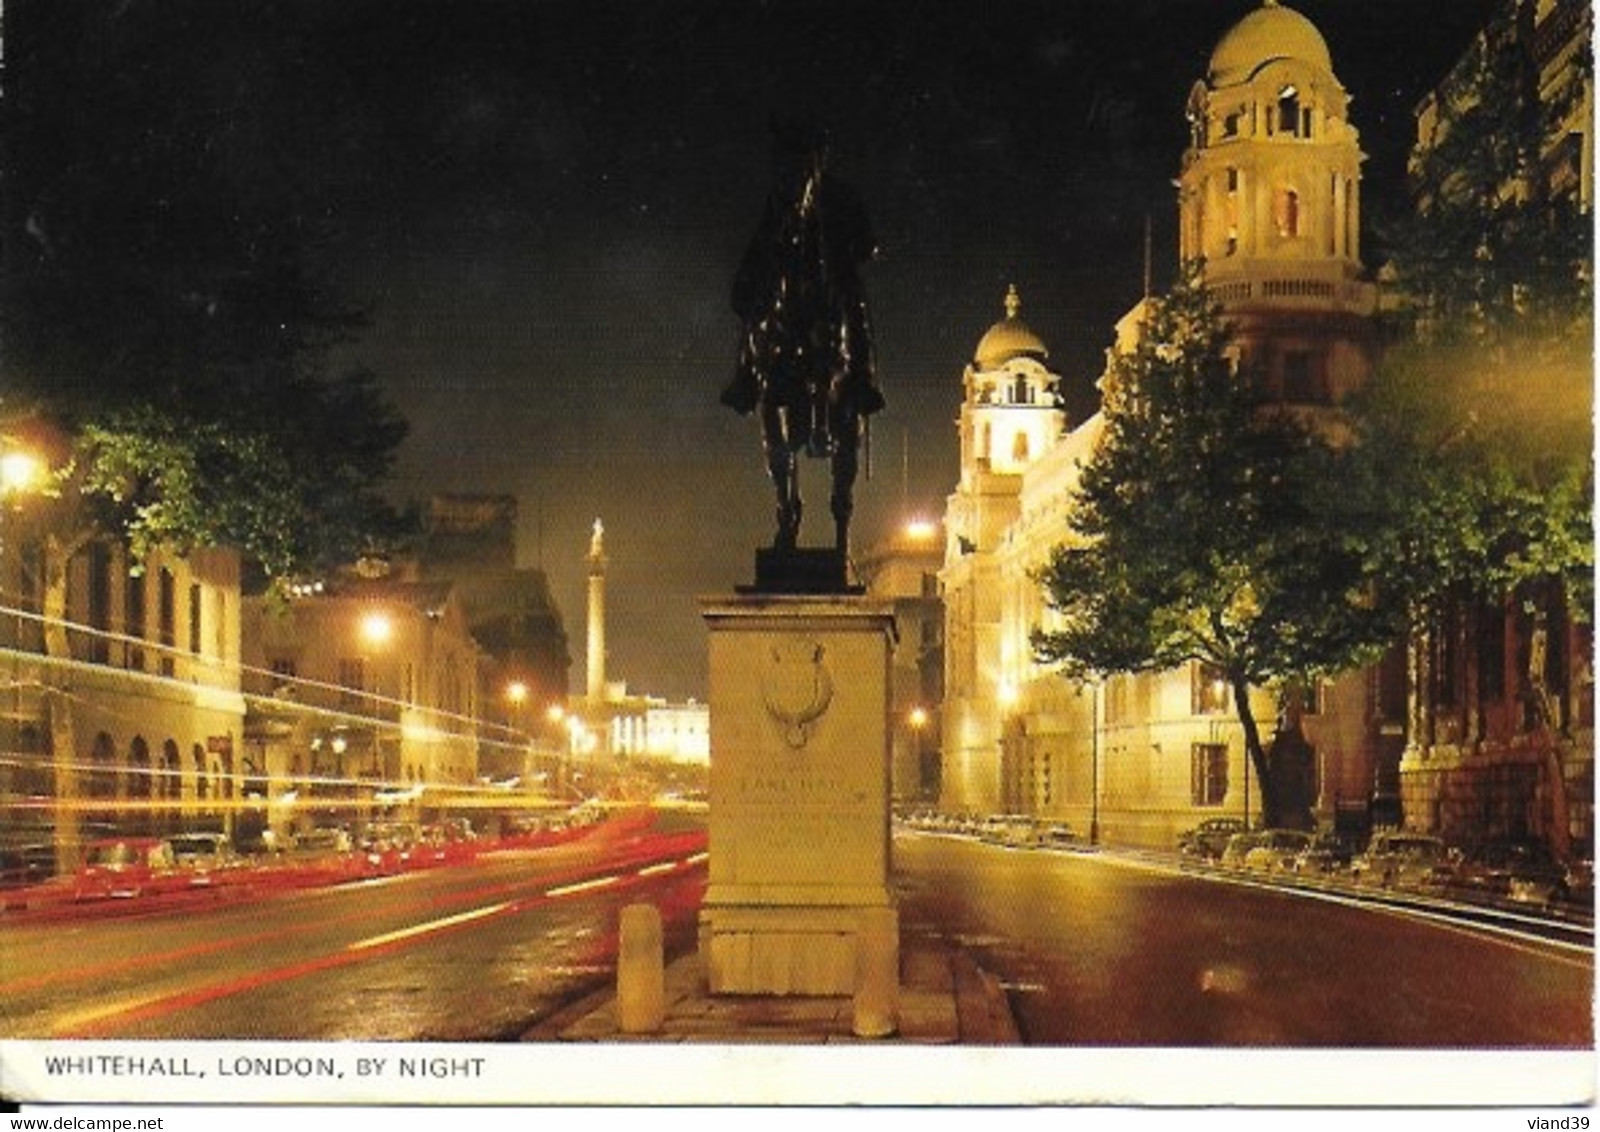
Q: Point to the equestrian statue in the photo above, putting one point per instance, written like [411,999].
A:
[805,363]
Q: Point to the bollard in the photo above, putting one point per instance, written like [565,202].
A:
[641,979]
[877,974]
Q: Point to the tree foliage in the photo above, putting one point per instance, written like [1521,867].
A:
[1212,526]
[1479,422]
[163,305]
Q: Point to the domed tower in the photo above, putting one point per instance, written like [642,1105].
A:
[1010,418]
[1011,413]
[1269,198]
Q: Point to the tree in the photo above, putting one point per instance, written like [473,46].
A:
[164,326]
[1479,422]
[1212,526]
[162,313]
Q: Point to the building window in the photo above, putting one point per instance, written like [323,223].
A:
[1019,447]
[99,603]
[167,611]
[1230,125]
[139,769]
[1208,774]
[1289,111]
[171,771]
[1286,212]
[1300,384]
[194,619]
[102,774]
[134,619]
[1208,689]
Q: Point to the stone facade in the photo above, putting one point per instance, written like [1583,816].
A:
[1269,197]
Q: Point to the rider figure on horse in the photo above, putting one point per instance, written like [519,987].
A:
[805,353]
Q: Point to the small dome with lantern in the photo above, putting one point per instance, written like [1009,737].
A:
[1009,338]
[1269,33]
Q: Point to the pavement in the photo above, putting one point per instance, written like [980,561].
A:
[944,998]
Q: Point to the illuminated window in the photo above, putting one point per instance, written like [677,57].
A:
[1208,774]
[1019,447]
[1208,689]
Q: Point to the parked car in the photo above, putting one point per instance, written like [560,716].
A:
[24,865]
[126,867]
[1327,854]
[1525,872]
[204,856]
[1403,860]
[1275,850]
[1580,882]
[1237,849]
[388,845]
[1056,835]
[1207,840]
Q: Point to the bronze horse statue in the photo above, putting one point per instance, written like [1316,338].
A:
[805,354]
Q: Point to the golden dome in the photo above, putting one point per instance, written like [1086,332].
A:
[1270,32]
[1009,338]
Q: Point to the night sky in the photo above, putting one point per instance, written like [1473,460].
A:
[541,204]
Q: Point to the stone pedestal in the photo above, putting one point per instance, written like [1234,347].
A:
[799,790]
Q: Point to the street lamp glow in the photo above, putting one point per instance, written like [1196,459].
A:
[377,628]
[19,470]
[921,529]
[918,717]
[516,692]
[555,713]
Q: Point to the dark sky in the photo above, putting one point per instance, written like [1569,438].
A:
[542,203]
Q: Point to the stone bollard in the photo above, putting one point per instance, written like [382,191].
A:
[877,974]
[641,979]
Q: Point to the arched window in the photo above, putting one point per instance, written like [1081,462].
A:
[202,781]
[1289,111]
[102,774]
[171,771]
[1019,392]
[1019,447]
[139,776]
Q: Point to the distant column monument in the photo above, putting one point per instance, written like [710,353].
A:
[800,661]
[597,615]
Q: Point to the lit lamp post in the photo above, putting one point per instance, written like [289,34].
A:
[917,719]
[517,697]
[375,630]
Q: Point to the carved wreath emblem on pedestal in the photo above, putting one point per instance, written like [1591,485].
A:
[796,688]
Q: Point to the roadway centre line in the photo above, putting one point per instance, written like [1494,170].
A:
[583,886]
[653,870]
[429,926]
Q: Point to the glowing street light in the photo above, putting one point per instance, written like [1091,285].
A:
[918,717]
[377,628]
[19,471]
[517,692]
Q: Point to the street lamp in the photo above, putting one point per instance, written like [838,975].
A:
[20,470]
[377,628]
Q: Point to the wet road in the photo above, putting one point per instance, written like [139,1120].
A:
[1100,950]
[475,951]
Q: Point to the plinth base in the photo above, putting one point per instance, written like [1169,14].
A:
[781,950]
[801,570]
